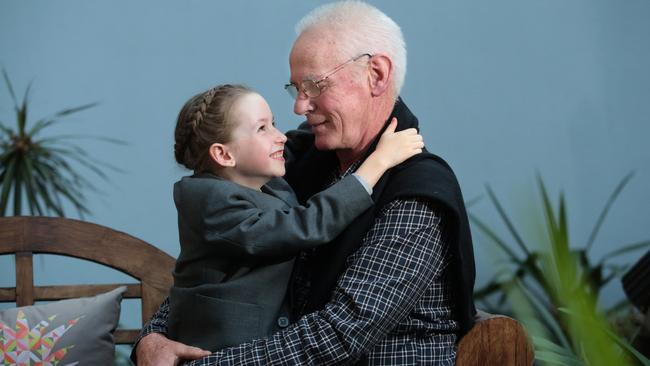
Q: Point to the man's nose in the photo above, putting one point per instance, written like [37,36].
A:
[302,105]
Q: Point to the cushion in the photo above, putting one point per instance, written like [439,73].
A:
[66,332]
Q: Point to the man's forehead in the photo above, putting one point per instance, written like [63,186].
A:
[314,45]
[312,55]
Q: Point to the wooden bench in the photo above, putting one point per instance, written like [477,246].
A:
[26,236]
[494,340]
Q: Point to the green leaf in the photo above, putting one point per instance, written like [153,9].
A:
[9,177]
[548,209]
[7,131]
[507,220]
[563,226]
[10,87]
[543,344]
[473,201]
[30,190]
[620,305]
[487,290]
[492,235]
[608,205]
[18,194]
[41,124]
[557,359]
[68,111]
[621,342]
[625,249]
[548,318]
[46,196]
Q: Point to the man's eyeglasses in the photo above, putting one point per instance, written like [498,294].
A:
[313,88]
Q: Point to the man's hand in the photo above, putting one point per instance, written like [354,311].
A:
[155,349]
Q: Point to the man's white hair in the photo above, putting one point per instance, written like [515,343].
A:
[361,28]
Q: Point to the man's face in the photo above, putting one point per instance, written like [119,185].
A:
[338,116]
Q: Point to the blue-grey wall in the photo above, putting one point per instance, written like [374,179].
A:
[503,89]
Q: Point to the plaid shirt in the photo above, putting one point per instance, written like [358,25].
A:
[391,306]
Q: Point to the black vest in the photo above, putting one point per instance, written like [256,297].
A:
[425,175]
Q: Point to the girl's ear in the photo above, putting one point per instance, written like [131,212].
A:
[221,155]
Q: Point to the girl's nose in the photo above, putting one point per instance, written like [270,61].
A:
[281,138]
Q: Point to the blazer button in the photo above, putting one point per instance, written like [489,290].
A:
[283,321]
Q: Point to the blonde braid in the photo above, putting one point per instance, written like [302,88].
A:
[201,108]
[202,121]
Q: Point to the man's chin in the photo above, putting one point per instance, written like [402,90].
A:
[322,143]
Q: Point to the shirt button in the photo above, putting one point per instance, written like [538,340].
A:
[283,321]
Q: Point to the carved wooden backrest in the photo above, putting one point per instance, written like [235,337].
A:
[26,236]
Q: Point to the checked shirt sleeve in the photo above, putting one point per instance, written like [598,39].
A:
[402,253]
[157,323]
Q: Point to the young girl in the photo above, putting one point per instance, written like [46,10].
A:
[240,224]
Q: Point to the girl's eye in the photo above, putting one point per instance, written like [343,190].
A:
[261,128]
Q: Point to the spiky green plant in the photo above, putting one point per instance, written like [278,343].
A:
[553,287]
[38,174]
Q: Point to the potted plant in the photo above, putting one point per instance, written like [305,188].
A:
[553,287]
[39,173]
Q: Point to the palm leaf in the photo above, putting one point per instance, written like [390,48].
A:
[549,320]
[41,124]
[608,205]
[6,130]
[548,209]
[45,195]
[626,249]
[50,120]
[473,201]
[32,193]
[22,112]
[8,177]
[59,138]
[17,183]
[553,358]
[487,290]
[507,220]
[68,111]
[45,172]
[77,154]
[10,87]
[621,342]
[495,238]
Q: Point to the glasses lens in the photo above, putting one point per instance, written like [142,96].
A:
[310,88]
[292,90]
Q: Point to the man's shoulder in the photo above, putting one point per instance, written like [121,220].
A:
[426,176]
[424,170]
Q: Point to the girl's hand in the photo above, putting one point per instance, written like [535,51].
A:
[395,147]
[392,149]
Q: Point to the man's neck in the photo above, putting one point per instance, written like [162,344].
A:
[375,123]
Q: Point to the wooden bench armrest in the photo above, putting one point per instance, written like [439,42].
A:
[495,340]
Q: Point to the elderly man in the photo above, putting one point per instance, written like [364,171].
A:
[396,287]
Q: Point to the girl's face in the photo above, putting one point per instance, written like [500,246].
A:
[256,146]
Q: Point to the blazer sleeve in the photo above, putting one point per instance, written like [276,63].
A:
[247,228]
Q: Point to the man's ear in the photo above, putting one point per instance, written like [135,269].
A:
[221,155]
[381,74]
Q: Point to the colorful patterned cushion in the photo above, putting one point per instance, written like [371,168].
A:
[63,333]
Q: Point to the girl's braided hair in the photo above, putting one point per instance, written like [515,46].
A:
[203,121]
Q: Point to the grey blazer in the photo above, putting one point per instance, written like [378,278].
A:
[237,252]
